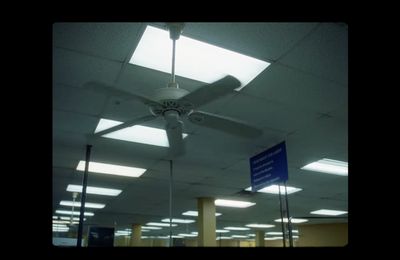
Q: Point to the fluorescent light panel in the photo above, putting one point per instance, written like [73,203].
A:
[274,189]
[69,218]
[112,169]
[136,133]
[222,237]
[328,166]
[221,231]
[239,236]
[178,220]
[293,220]
[260,225]
[233,203]
[196,214]
[145,227]
[66,212]
[188,235]
[194,59]
[78,204]
[94,190]
[328,212]
[160,224]
[236,228]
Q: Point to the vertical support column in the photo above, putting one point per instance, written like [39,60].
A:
[206,222]
[260,234]
[136,235]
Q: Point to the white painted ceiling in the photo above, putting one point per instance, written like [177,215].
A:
[301,98]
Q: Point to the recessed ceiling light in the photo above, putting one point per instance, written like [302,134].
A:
[188,235]
[78,204]
[67,212]
[328,166]
[145,227]
[59,225]
[64,222]
[293,220]
[137,133]
[273,238]
[160,224]
[196,214]
[94,190]
[236,228]
[328,212]
[221,231]
[69,218]
[174,236]
[194,59]
[260,225]
[274,189]
[112,169]
[274,233]
[178,220]
[218,238]
[239,236]
[233,203]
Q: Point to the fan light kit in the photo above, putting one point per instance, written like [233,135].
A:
[174,104]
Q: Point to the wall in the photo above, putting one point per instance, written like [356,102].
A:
[323,235]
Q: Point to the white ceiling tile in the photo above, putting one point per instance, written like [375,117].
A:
[323,53]
[259,40]
[110,40]
[296,89]
[77,100]
[74,69]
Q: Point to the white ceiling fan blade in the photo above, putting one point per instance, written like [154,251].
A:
[103,88]
[126,124]
[174,129]
[212,91]
[226,124]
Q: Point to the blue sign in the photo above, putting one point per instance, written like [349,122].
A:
[269,167]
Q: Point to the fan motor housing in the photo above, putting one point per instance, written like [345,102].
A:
[170,99]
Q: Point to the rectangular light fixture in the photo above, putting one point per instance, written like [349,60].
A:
[222,237]
[221,231]
[55,217]
[237,228]
[233,203]
[194,59]
[328,166]
[111,169]
[196,214]
[94,190]
[188,235]
[239,236]
[75,213]
[69,218]
[274,233]
[274,189]
[260,225]
[64,222]
[178,220]
[328,212]
[59,225]
[137,133]
[146,227]
[273,238]
[293,220]
[160,224]
[60,229]
[78,204]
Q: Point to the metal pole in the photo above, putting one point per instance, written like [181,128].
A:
[170,203]
[289,218]
[83,197]
[283,228]
[173,61]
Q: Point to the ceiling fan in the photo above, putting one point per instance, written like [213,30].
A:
[175,104]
